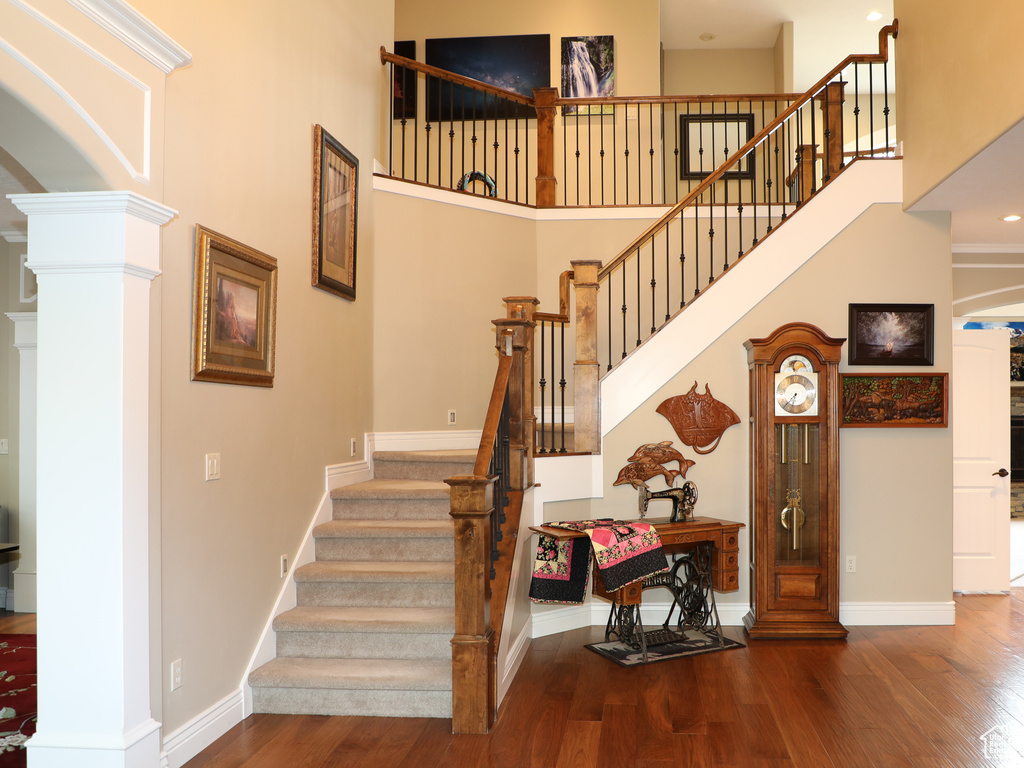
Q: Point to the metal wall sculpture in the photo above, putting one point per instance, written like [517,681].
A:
[648,462]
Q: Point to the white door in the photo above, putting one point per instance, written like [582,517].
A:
[980,389]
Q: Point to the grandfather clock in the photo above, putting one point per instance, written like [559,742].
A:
[794,484]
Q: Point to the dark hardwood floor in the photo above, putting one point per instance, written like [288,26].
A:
[896,697]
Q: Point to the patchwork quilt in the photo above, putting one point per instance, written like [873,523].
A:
[624,552]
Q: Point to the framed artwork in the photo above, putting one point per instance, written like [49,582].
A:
[1016,343]
[335,188]
[708,140]
[234,314]
[517,63]
[892,334]
[894,400]
[404,83]
[588,72]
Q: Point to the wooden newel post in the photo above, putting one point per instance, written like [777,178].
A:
[586,371]
[474,693]
[832,114]
[523,426]
[807,156]
[544,98]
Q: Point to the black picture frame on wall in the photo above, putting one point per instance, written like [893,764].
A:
[892,334]
[709,140]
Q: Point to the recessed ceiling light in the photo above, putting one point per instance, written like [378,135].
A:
[707,37]
[1012,217]
[874,16]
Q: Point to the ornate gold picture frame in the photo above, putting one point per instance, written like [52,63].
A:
[234,314]
[335,187]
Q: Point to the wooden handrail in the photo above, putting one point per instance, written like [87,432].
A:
[451,77]
[490,430]
[564,281]
[706,99]
[768,130]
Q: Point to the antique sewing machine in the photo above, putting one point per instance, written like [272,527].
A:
[683,500]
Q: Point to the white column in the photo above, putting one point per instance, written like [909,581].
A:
[25,574]
[95,255]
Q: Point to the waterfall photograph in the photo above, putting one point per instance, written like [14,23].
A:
[588,71]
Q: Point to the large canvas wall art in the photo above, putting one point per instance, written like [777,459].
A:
[517,63]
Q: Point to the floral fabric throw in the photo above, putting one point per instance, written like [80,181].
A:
[624,552]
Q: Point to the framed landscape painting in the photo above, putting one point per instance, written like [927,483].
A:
[335,188]
[234,312]
[892,334]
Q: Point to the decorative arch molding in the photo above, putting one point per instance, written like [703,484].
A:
[94,77]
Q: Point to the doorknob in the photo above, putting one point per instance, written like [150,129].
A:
[1001,473]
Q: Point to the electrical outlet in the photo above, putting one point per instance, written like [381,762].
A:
[176,674]
[213,466]
[851,563]
[353,447]
[4,448]
[284,566]
[451,417]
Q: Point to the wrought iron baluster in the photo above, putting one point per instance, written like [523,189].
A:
[682,260]
[654,287]
[650,130]
[622,269]
[543,389]
[626,154]
[561,380]
[638,290]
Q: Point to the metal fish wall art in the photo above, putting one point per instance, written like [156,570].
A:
[648,462]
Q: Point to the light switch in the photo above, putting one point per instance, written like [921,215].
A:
[213,466]
[4,450]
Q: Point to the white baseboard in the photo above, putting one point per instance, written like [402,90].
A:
[200,732]
[514,659]
[595,614]
[442,440]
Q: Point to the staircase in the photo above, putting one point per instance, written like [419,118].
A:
[371,633]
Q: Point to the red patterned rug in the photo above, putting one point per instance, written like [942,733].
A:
[17,697]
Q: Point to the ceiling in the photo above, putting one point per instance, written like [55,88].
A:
[978,195]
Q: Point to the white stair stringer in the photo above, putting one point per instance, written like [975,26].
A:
[746,283]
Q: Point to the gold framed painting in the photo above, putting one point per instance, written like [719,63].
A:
[234,314]
[335,187]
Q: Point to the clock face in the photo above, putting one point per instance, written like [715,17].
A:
[796,394]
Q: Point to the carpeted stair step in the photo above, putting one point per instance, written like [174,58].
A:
[365,633]
[387,584]
[429,540]
[369,687]
[422,465]
[392,500]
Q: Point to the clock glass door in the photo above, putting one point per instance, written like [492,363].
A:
[797,498]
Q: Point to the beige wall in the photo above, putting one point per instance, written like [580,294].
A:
[895,494]
[719,71]
[238,154]
[635,26]
[956,84]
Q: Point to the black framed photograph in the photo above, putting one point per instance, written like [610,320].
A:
[404,85]
[709,140]
[892,334]
[335,187]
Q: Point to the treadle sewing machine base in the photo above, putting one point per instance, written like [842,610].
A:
[710,562]
[691,592]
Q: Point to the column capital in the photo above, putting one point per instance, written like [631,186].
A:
[72,232]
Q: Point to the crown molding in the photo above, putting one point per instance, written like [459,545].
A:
[137,32]
[988,248]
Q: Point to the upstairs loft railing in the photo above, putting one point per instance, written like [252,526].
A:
[452,132]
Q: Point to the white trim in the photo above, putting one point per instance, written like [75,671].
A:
[24,272]
[336,476]
[137,32]
[89,203]
[201,731]
[14,236]
[968,265]
[594,613]
[550,411]
[988,248]
[514,659]
[984,294]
